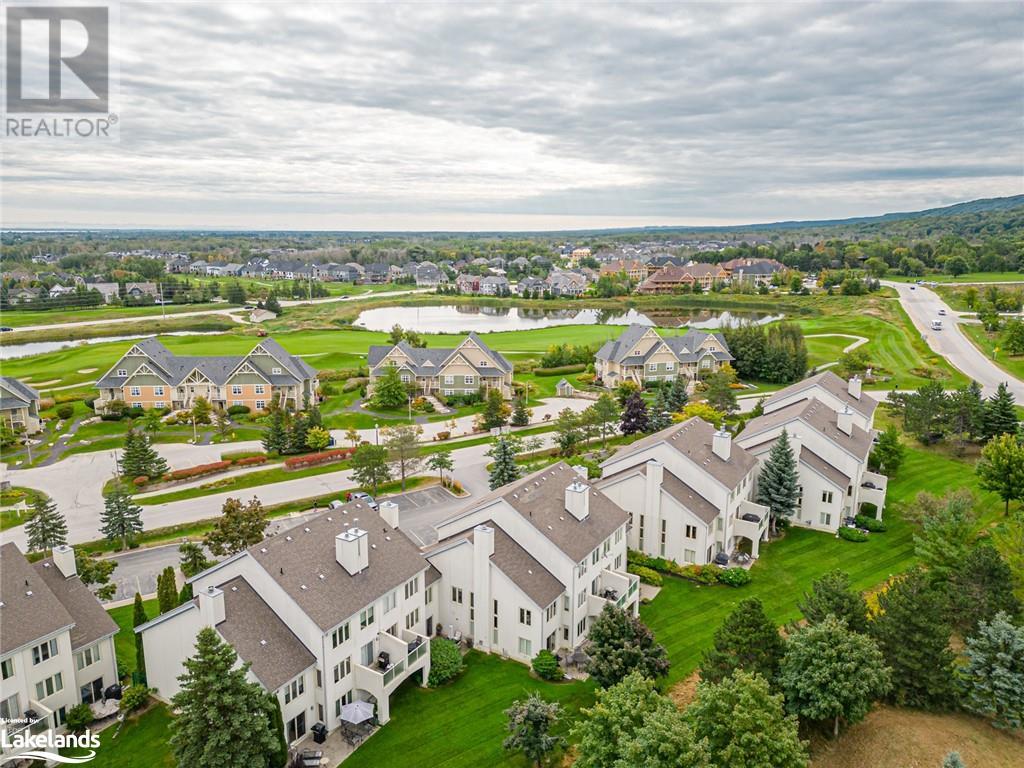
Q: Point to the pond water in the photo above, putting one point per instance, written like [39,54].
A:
[470,317]
[14,351]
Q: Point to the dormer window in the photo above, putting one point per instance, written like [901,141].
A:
[275,371]
[122,371]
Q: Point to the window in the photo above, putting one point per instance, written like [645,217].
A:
[641,531]
[7,668]
[581,626]
[581,568]
[260,389]
[525,647]
[526,616]
[275,371]
[390,601]
[457,595]
[565,603]
[136,405]
[670,366]
[469,380]
[652,367]
[342,669]
[705,363]
[691,531]
[340,635]
[10,708]
[261,404]
[366,618]
[826,497]
[428,595]
[664,536]
[320,683]
[449,379]
[618,535]
[159,404]
[690,555]
[44,651]
[49,686]
[158,391]
[826,518]
[122,371]
[236,389]
[366,654]
[87,657]
[294,689]
[412,587]
[449,392]
[581,598]
[405,378]
[618,563]
[412,619]
[60,717]
[549,614]
[606,547]
[136,391]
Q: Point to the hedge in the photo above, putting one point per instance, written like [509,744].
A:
[647,575]
[702,574]
[315,459]
[560,370]
[852,534]
[198,471]
[248,461]
[237,410]
[236,455]
[870,523]
[445,661]
[735,577]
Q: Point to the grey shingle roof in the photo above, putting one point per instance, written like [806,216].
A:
[677,489]
[818,417]
[831,383]
[683,347]
[822,467]
[260,637]
[92,622]
[26,617]
[427,360]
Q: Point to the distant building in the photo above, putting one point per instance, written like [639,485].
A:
[109,291]
[634,269]
[640,354]
[466,369]
[19,405]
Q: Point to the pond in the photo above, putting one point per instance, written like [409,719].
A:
[482,319]
[14,351]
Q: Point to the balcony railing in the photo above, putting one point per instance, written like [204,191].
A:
[405,655]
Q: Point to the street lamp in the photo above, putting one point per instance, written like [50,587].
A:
[376,433]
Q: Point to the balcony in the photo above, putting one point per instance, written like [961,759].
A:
[37,719]
[751,522]
[872,491]
[396,659]
[614,588]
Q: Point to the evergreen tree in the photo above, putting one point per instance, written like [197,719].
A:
[677,396]
[166,590]
[192,559]
[239,526]
[1001,468]
[278,757]
[121,518]
[185,594]
[1000,413]
[747,639]
[214,690]
[496,410]
[831,595]
[504,469]
[887,455]
[719,392]
[953,760]
[634,415]
[982,586]
[967,413]
[298,431]
[778,483]
[275,437]
[993,677]
[47,528]
[619,644]
[139,458]
[913,634]
[201,411]
[529,725]
[947,534]
[273,305]
[521,414]
[139,618]
[660,414]
[370,466]
[832,673]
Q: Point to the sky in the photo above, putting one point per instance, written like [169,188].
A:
[515,117]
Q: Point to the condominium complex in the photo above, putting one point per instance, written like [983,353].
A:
[640,354]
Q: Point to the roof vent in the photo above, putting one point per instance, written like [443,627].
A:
[303,586]
[287,538]
[263,550]
[46,565]
[387,538]
[28,593]
[330,519]
[321,576]
[373,546]
[234,588]
[1,603]
[263,642]
[306,529]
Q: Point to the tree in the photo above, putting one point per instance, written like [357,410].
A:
[529,725]
[831,595]
[278,758]
[296,431]
[947,533]
[703,411]
[239,526]
[352,435]
[370,466]
[521,414]
[619,644]
[677,395]
[981,587]
[388,390]
[46,528]
[660,414]
[1000,413]
[957,265]
[441,462]
[606,416]
[634,415]
[166,590]
[214,689]
[139,618]
[567,432]
[504,469]
[1001,468]
[830,672]
[273,305]
[625,390]
[744,724]
[121,518]
[496,410]
[223,424]
[275,437]
[403,446]
[1008,539]
[925,412]
[192,559]
[139,457]
[993,677]
[664,740]
[96,571]
[913,634]
[201,411]
[953,760]
[719,392]
[1013,338]
[747,639]
[152,420]
[887,455]
[778,484]
[317,438]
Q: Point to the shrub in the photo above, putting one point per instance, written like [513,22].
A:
[199,470]
[735,577]
[445,661]
[702,574]
[237,410]
[586,378]
[852,534]
[133,697]
[560,370]
[236,455]
[65,411]
[546,665]
[112,416]
[90,403]
[357,382]
[79,718]
[316,459]
[870,523]
[248,461]
[46,403]
[135,412]
[140,481]
[647,575]
[443,435]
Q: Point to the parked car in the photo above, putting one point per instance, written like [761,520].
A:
[913,288]
[5,328]
[363,497]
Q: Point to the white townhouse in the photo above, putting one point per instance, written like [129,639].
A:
[56,642]
[688,491]
[833,392]
[832,459]
[335,610]
[529,565]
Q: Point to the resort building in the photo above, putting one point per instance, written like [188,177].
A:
[56,643]
[466,369]
[151,376]
[833,392]
[336,610]
[530,565]
[696,277]
[640,355]
[688,492]
[19,406]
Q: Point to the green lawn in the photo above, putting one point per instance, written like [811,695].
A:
[124,640]
[827,349]
[142,743]
[970,277]
[988,343]
[21,318]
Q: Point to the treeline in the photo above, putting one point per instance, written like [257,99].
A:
[776,354]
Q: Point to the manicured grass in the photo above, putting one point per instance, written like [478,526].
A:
[462,724]
[22,318]
[142,743]
[124,640]
[969,277]
[826,349]
[988,343]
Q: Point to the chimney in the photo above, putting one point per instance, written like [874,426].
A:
[483,541]
[577,502]
[64,559]
[388,511]
[483,548]
[721,444]
[211,606]
[844,420]
[352,550]
[853,387]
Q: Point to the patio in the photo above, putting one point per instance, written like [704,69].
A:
[335,749]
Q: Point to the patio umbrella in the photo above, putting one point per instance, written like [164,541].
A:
[357,712]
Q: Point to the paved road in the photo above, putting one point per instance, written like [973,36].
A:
[922,305]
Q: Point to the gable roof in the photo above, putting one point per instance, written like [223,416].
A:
[21,391]
[92,622]
[831,383]
[675,487]
[425,361]
[30,610]
[818,417]
[685,348]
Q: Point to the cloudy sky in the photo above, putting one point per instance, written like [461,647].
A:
[466,116]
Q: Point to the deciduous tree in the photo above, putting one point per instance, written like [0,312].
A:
[529,723]
[238,527]
[404,451]
[1001,468]
[389,391]
[441,462]
[370,466]
[634,415]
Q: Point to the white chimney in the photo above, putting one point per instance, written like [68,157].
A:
[844,420]
[64,559]
[483,548]
[211,606]
[388,511]
[483,541]
[721,444]
[577,500]
[352,550]
[853,387]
